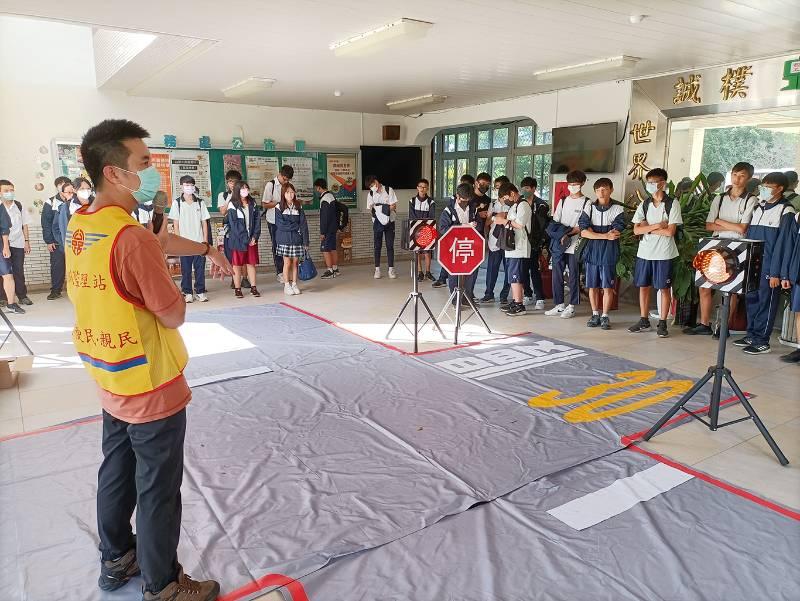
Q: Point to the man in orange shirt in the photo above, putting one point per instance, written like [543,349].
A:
[126,336]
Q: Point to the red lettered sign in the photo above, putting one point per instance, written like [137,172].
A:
[461,250]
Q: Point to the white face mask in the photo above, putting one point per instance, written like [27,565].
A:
[374,189]
[244,192]
[84,194]
[764,193]
[651,187]
[188,188]
[574,188]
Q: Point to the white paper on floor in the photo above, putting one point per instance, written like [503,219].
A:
[598,506]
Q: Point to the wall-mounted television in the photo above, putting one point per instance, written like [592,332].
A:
[397,166]
[587,148]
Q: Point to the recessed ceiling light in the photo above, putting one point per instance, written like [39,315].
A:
[637,18]
[337,93]
[248,87]
[407,103]
[374,39]
[602,64]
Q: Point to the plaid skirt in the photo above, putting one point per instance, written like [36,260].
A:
[290,250]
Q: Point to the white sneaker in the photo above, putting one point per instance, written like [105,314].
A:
[655,315]
[188,298]
[557,310]
[295,289]
[377,273]
[202,297]
[568,312]
[288,290]
[279,277]
[392,274]
[539,306]
[528,300]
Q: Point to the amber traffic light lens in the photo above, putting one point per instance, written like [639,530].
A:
[425,235]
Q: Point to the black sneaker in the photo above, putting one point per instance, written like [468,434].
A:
[487,298]
[15,308]
[245,283]
[605,323]
[516,309]
[439,284]
[54,295]
[505,306]
[26,301]
[793,357]
[661,329]
[742,342]
[594,321]
[336,272]
[327,275]
[700,329]
[643,325]
[421,277]
[757,349]
[429,276]
[116,574]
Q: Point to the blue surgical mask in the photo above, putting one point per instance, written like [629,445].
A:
[149,183]
[651,187]
[764,193]
[8,196]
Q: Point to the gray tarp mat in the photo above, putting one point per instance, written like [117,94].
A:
[695,542]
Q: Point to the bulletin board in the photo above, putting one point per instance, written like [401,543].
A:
[67,159]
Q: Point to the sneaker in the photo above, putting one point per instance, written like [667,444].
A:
[429,276]
[254,291]
[392,274]
[528,300]
[237,292]
[557,310]
[15,308]
[377,275]
[420,277]
[594,321]
[438,284]
[245,283]
[288,290]
[505,306]
[757,349]
[568,312]
[742,342]
[26,301]
[201,296]
[539,306]
[661,329]
[295,289]
[328,275]
[54,295]
[700,329]
[475,301]
[336,272]
[793,357]
[280,279]
[185,589]
[3,304]
[487,298]
[189,298]
[643,325]
[605,323]
[516,310]
[116,574]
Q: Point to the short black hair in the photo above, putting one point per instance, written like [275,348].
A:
[484,177]
[502,179]
[743,166]
[465,191]
[467,179]
[64,185]
[81,180]
[370,179]
[506,189]
[657,172]
[777,178]
[233,174]
[528,182]
[287,171]
[60,180]
[576,177]
[603,182]
[321,183]
[5,182]
[791,176]
[187,179]
[423,181]
[104,145]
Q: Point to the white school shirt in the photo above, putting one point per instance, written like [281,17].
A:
[568,212]
[520,214]
[384,196]
[16,237]
[652,246]
[734,210]
[190,217]
[272,193]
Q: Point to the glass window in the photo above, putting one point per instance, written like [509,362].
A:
[435,180]
[523,167]
[484,140]
[462,167]
[463,142]
[450,143]
[449,177]
[544,137]
[482,166]
[525,135]
[500,138]
[498,167]
[541,171]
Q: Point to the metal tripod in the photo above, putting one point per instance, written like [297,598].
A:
[415,296]
[458,297]
[13,330]
[718,372]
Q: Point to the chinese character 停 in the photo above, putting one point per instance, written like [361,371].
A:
[639,168]
[462,249]
[687,90]
[733,82]
[641,131]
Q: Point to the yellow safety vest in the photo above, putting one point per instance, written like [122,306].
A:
[123,345]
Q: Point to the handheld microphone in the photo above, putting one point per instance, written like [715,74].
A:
[159,204]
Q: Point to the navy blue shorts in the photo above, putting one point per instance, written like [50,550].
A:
[329,243]
[5,266]
[514,271]
[795,304]
[657,274]
[599,276]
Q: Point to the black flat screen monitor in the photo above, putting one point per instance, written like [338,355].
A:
[397,166]
[587,148]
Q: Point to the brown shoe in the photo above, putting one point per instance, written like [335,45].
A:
[185,589]
[116,574]
[254,291]
[237,292]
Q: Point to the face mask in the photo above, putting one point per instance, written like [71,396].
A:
[651,187]
[484,188]
[149,183]
[244,192]
[527,194]
[374,189]
[764,193]
[574,188]
[188,189]
[8,196]
[84,194]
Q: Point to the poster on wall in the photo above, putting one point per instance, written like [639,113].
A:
[161,160]
[259,171]
[303,180]
[232,161]
[196,164]
[67,160]
[342,178]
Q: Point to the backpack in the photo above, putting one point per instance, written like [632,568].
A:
[537,235]
[342,215]
[679,234]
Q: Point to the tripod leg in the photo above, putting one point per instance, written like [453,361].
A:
[759,424]
[416,314]
[399,315]
[679,405]
[459,300]
[475,311]
[14,331]
[430,314]
[450,299]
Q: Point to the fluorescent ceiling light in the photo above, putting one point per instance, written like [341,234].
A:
[602,64]
[409,103]
[374,39]
[248,87]
[779,125]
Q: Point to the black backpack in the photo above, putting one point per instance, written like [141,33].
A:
[342,215]
[540,219]
[667,211]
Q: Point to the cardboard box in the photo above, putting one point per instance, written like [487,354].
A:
[10,367]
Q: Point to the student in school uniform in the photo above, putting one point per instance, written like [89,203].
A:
[601,223]
[461,212]
[243,218]
[519,217]
[422,206]
[232,177]
[790,279]
[728,217]
[772,221]
[292,232]
[534,287]
[382,203]
[82,197]
[791,193]
[190,219]
[656,220]
[18,221]
[496,255]
[567,213]
[273,193]
[52,239]
[328,228]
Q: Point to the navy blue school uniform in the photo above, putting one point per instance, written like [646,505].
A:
[5,229]
[533,285]
[448,219]
[496,256]
[328,221]
[291,231]
[600,256]
[790,262]
[239,233]
[772,223]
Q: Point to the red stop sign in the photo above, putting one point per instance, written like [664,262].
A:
[461,250]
